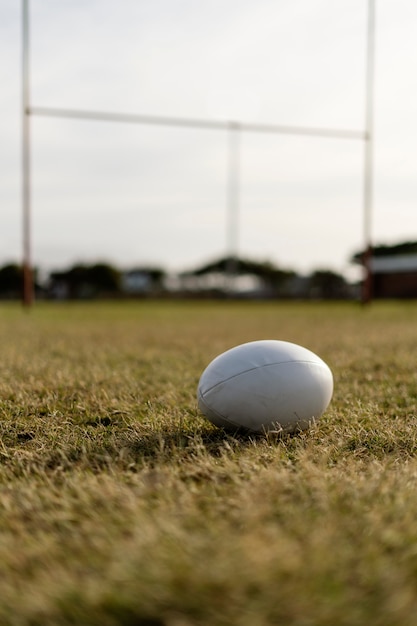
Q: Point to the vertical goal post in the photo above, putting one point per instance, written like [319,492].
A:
[234,129]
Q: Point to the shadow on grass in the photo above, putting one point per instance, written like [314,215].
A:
[211,442]
[109,444]
[162,443]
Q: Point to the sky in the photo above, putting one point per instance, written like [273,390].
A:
[134,195]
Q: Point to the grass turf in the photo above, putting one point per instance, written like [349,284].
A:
[120,504]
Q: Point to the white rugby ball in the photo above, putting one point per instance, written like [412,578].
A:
[264,386]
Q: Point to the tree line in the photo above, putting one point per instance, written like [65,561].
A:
[101,280]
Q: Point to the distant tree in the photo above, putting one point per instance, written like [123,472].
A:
[406,247]
[104,278]
[273,278]
[69,283]
[327,284]
[11,279]
[84,281]
[157,275]
[277,279]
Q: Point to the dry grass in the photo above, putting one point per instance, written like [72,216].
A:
[120,504]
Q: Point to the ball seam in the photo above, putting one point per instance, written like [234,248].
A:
[258,367]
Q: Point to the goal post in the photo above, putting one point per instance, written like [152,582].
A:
[233,128]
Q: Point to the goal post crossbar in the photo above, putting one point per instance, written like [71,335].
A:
[183,122]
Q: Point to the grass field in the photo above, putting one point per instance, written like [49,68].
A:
[121,505]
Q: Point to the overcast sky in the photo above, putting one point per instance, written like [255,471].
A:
[140,194]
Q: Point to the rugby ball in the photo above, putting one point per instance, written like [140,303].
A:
[265,386]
